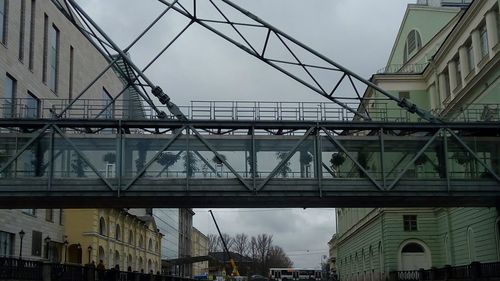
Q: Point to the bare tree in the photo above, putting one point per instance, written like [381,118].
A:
[278,258]
[229,241]
[213,243]
[264,244]
[241,244]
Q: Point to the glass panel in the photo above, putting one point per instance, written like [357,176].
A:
[32,106]
[54,57]
[463,164]
[33,162]
[9,94]
[3,18]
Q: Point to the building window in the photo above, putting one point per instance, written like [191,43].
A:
[471,245]
[102,227]
[45,47]
[413,44]
[54,59]
[458,72]
[470,56]
[483,33]
[22,24]
[141,242]
[410,223]
[404,95]
[61,216]
[6,244]
[130,237]
[32,34]
[150,245]
[36,244]
[4,22]
[71,65]
[31,212]
[118,234]
[9,96]
[32,106]
[107,101]
[49,215]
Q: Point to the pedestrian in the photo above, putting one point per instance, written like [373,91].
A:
[100,270]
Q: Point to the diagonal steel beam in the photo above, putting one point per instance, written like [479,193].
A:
[204,160]
[157,155]
[353,159]
[23,149]
[214,151]
[286,159]
[490,170]
[419,153]
[82,155]
[174,109]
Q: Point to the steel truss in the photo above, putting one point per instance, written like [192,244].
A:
[293,58]
[431,145]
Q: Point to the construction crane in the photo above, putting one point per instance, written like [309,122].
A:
[231,260]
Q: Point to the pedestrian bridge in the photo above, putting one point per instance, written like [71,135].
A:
[125,163]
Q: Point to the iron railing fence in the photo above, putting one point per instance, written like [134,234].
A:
[473,271]
[378,109]
[403,69]
[20,269]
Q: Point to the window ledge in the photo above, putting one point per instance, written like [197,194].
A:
[496,48]
[483,61]
[469,76]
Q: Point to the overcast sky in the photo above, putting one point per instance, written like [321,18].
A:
[201,66]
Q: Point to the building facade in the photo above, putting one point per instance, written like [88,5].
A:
[199,248]
[114,236]
[445,60]
[44,62]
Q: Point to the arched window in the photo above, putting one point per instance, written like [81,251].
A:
[447,249]
[118,234]
[102,226]
[117,258]
[102,254]
[471,245]
[141,264]
[380,261]
[413,248]
[157,247]
[150,244]
[141,242]
[130,237]
[498,237]
[414,254]
[130,262]
[150,265]
[412,45]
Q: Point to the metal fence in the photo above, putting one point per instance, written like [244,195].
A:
[18,269]
[474,271]
[379,110]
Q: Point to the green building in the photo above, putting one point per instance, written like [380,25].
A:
[446,60]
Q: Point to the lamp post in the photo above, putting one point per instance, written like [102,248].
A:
[21,235]
[90,252]
[66,250]
[47,241]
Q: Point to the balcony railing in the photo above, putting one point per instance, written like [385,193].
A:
[402,69]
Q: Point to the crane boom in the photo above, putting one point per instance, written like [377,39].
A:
[231,260]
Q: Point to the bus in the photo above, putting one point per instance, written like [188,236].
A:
[292,274]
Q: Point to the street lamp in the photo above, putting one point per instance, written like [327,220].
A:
[21,235]
[90,252]
[66,250]
[47,241]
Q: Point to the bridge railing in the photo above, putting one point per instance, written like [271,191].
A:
[378,110]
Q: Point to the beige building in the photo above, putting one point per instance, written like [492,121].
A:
[199,248]
[114,236]
[44,62]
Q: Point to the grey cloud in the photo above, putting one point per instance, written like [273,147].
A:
[200,66]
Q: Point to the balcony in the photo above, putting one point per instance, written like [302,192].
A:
[402,69]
